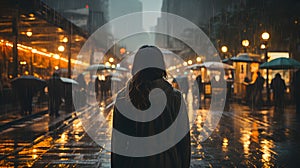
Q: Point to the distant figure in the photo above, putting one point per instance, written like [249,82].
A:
[257,90]
[97,89]
[296,83]
[137,95]
[25,96]
[107,86]
[55,90]
[200,88]
[278,86]
[249,90]
[82,86]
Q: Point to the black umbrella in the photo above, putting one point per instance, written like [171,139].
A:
[26,82]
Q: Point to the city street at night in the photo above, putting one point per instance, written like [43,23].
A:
[149,84]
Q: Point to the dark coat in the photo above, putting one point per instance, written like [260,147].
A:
[278,86]
[177,156]
[55,91]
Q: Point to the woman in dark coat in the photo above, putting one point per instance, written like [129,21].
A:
[137,93]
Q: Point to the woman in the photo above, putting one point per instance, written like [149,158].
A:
[148,73]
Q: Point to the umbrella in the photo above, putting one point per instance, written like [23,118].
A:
[281,63]
[96,67]
[211,65]
[28,82]
[68,81]
[100,67]
[244,57]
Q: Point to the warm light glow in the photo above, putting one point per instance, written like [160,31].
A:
[111,59]
[34,50]
[198,59]
[113,66]
[65,40]
[265,36]
[190,62]
[43,53]
[263,46]
[245,43]
[185,64]
[56,67]
[107,64]
[224,49]
[56,56]
[23,62]
[122,50]
[61,48]
[29,33]
[225,144]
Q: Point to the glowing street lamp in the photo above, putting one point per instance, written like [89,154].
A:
[65,39]
[245,44]
[265,37]
[111,59]
[29,33]
[198,59]
[224,49]
[61,48]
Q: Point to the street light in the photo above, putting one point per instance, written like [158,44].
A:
[245,44]
[224,50]
[265,37]
[29,33]
[61,48]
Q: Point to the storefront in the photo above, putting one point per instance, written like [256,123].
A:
[36,40]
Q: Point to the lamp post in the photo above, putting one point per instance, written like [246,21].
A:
[265,37]
[245,44]
[224,50]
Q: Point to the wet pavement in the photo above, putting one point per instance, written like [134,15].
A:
[243,138]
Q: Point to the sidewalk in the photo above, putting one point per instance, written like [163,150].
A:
[11,114]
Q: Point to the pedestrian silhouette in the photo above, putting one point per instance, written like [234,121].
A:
[257,90]
[25,87]
[278,86]
[137,92]
[81,92]
[199,84]
[25,96]
[55,91]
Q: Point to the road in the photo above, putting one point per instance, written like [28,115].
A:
[243,138]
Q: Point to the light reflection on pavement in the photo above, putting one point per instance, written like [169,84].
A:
[243,138]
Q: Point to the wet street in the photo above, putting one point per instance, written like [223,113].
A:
[243,138]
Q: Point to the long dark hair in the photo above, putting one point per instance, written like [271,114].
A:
[140,86]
